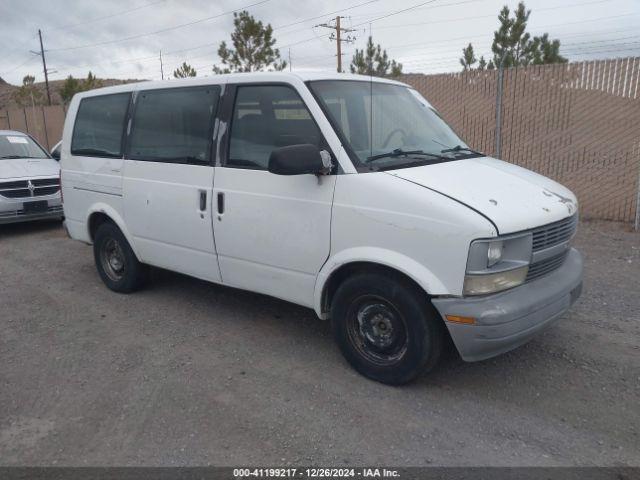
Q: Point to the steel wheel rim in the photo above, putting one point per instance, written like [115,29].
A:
[377,330]
[112,259]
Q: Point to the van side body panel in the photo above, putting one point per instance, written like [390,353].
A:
[383,219]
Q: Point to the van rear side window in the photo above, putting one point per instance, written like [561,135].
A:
[174,125]
[99,126]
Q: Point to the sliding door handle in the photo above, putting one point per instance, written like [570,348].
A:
[203,200]
[220,203]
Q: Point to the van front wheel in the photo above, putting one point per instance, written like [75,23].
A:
[386,328]
[117,265]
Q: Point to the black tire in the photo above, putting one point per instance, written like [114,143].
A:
[117,265]
[386,328]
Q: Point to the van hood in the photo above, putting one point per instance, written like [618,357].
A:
[28,167]
[512,197]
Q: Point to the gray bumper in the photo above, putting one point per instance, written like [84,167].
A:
[18,216]
[509,319]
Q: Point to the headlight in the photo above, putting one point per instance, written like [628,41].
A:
[494,253]
[497,264]
[494,282]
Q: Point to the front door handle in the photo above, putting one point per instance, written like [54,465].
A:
[220,203]
[203,200]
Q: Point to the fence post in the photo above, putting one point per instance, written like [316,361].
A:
[498,149]
[636,223]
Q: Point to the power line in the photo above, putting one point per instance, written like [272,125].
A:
[405,25]
[97,19]
[324,15]
[466,37]
[585,45]
[69,26]
[175,52]
[432,45]
[419,8]
[172,52]
[397,12]
[28,60]
[162,30]
[446,61]
[569,44]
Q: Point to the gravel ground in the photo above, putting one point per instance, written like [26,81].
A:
[190,373]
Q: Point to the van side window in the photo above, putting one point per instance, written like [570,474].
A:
[265,118]
[174,125]
[99,126]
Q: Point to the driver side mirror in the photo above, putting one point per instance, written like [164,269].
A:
[55,154]
[300,160]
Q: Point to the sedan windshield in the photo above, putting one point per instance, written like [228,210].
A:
[19,146]
[388,125]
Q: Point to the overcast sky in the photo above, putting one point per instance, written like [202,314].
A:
[89,35]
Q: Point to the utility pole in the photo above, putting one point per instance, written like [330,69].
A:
[337,36]
[44,67]
[161,69]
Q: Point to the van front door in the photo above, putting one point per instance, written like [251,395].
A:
[272,232]
[168,179]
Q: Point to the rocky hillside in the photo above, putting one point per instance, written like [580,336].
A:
[7,91]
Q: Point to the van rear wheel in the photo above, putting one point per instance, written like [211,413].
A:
[386,328]
[117,265]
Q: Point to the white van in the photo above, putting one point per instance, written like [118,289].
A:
[342,193]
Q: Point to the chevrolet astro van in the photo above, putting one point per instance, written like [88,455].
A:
[342,193]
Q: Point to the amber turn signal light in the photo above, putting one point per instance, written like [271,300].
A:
[459,319]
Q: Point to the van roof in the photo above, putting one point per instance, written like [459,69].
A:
[248,77]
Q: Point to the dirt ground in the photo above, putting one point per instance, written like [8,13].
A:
[190,373]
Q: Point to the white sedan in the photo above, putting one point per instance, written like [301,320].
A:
[29,180]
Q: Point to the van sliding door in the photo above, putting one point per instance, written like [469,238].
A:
[168,179]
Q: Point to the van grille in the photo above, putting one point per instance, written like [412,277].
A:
[548,236]
[20,188]
[548,265]
[554,233]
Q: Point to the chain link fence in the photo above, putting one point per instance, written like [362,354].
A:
[577,123]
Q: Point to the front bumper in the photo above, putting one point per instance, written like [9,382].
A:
[509,319]
[12,211]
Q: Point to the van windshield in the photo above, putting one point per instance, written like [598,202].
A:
[388,125]
[19,146]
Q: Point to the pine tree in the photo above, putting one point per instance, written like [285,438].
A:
[468,58]
[482,63]
[512,42]
[28,94]
[183,71]
[69,88]
[252,47]
[373,60]
[546,51]
[91,82]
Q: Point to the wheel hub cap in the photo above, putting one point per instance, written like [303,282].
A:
[376,325]
[113,260]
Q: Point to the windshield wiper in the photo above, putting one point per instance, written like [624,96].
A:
[460,148]
[7,157]
[398,152]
